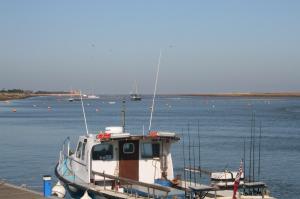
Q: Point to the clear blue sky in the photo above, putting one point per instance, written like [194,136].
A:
[104,46]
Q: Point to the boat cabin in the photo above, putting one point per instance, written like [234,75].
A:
[144,158]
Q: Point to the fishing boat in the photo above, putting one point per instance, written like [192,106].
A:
[114,163]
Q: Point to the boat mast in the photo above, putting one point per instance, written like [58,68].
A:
[136,87]
[153,100]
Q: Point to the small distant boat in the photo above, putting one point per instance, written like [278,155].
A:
[92,97]
[71,99]
[135,96]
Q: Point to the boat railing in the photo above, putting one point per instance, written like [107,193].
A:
[151,190]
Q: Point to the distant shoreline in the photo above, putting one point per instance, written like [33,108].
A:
[250,94]
[16,96]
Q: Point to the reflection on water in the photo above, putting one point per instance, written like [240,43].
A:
[32,136]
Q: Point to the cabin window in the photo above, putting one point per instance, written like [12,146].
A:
[102,152]
[83,151]
[78,151]
[150,150]
[128,148]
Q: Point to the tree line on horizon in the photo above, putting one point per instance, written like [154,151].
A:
[31,92]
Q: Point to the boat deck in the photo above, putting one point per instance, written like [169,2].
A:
[9,191]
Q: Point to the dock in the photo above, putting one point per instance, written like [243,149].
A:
[9,191]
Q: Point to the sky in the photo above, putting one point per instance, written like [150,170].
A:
[103,47]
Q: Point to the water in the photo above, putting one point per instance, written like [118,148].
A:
[31,137]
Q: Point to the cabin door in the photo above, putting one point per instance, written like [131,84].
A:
[129,159]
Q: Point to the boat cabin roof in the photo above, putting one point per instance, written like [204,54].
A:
[152,136]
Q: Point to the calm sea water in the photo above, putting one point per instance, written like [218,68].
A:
[30,139]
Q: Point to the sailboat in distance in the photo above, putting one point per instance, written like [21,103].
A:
[135,96]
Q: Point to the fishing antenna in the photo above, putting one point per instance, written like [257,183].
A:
[83,111]
[153,100]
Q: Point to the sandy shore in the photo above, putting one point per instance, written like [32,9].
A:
[13,96]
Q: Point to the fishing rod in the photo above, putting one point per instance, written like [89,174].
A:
[183,153]
[259,144]
[199,154]
[194,162]
[253,152]
[244,160]
[250,151]
[190,163]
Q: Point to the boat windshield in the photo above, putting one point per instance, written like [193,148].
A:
[102,152]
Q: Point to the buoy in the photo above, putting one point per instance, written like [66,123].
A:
[85,196]
[59,190]
[14,110]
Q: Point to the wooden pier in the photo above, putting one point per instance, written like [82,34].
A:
[9,191]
